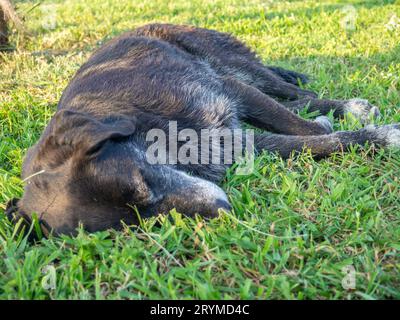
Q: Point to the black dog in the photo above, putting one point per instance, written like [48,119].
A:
[90,164]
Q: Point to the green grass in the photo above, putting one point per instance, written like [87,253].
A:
[295,223]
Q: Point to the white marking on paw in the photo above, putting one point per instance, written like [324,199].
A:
[325,122]
[393,137]
[389,134]
[361,109]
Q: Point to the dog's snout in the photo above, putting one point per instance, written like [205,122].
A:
[223,204]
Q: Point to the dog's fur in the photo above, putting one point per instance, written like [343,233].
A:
[89,165]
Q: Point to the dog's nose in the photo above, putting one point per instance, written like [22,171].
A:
[224,205]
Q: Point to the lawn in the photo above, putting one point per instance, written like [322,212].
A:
[297,224]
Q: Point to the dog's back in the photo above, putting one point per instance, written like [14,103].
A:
[153,81]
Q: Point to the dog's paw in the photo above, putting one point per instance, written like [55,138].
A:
[388,135]
[361,109]
[325,123]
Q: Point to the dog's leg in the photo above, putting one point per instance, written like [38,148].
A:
[274,85]
[360,108]
[290,76]
[264,112]
[321,146]
[265,79]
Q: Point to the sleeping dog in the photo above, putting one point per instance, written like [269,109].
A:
[90,165]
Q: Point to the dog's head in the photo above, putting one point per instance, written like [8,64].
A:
[88,171]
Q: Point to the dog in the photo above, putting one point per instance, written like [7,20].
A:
[89,167]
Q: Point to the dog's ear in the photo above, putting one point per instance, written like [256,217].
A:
[73,133]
